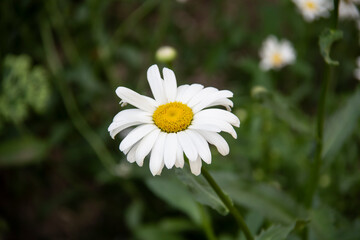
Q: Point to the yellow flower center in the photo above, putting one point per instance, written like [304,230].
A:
[173,117]
[310,5]
[276,59]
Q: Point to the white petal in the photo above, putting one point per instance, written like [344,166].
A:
[201,145]
[170,84]
[135,135]
[227,103]
[131,155]
[157,155]
[218,114]
[170,150]
[190,92]
[142,102]
[161,168]
[179,163]
[224,126]
[187,145]
[217,140]
[122,126]
[156,84]
[214,97]
[204,93]
[128,118]
[181,90]
[145,146]
[205,127]
[195,166]
[131,114]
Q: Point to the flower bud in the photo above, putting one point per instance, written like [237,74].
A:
[166,54]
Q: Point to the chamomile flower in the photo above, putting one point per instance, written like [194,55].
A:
[276,54]
[313,9]
[348,9]
[178,120]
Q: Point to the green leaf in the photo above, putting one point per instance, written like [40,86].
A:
[286,112]
[341,125]
[327,38]
[201,191]
[21,151]
[322,224]
[176,195]
[168,228]
[133,214]
[276,232]
[265,199]
[254,220]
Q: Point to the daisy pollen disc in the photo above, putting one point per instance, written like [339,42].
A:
[277,59]
[310,5]
[173,117]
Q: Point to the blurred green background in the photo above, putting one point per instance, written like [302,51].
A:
[63,177]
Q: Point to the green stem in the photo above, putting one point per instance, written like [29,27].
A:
[319,136]
[133,19]
[228,203]
[336,14]
[78,120]
[314,178]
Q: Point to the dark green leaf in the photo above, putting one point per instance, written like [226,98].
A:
[201,191]
[341,125]
[322,224]
[327,38]
[276,232]
[266,200]
[286,112]
[176,195]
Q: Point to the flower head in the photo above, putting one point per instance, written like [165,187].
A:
[313,9]
[276,54]
[178,120]
[348,9]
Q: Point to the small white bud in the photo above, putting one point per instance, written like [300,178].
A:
[165,54]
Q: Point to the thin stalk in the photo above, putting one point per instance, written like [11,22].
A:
[319,135]
[76,117]
[336,14]
[228,203]
[314,178]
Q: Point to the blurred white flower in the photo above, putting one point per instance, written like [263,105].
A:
[357,70]
[313,9]
[175,122]
[165,54]
[348,9]
[276,54]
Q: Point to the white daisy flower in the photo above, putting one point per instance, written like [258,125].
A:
[178,120]
[276,54]
[348,9]
[313,9]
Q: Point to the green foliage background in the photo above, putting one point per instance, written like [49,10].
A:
[63,177]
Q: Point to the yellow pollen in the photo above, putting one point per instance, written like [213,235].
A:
[276,59]
[173,117]
[310,5]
